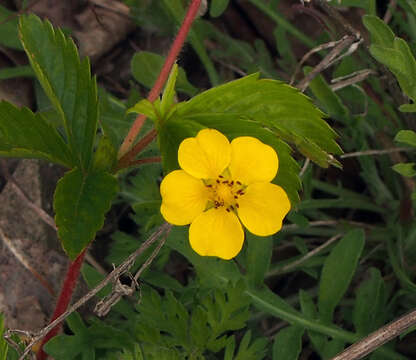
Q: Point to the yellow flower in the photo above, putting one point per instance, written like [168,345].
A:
[220,186]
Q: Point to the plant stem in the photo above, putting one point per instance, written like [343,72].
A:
[63,301]
[163,75]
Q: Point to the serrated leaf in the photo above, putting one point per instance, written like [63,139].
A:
[338,271]
[146,66]
[282,109]
[407,137]
[405,169]
[288,343]
[218,7]
[8,29]
[66,80]
[80,203]
[27,135]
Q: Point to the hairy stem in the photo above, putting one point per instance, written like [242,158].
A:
[63,301]
[163,75]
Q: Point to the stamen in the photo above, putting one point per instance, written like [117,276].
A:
[239,183]
[228,210]
[218,181]
[231,207]
[225,182]
[208,185]
[221,177]
[232,182]
[235,197]
[237,206]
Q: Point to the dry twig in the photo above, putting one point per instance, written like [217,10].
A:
[111,278]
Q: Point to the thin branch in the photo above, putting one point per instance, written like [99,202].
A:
[307,256]
[348,42]
[104,306]
[115,274]
[350,79]
[375,152]
[390,9]
[378,338]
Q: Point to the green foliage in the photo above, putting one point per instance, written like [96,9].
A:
[8,29]
[342,261]
[3,344]
[80,202]
[38,140]
[288,343]
[145,67]
[87,340]
[395,53]
[67,81]
[218,7]
[248,106]
[166,322]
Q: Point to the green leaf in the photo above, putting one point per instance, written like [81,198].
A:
[147,108]
[405,169]
[168,97]
[8,29]
[218,7]
[3,344]
[251,350]
[146,66]
[330,101]
[407,107]
[80,203]
[24,134]
[105,156]
[338,271]
[270,104]
[407,137]
[288,343]
[66,80]
[369,315]
[17,71]
[381,33]
[258,248]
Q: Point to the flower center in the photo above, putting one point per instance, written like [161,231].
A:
[225,192]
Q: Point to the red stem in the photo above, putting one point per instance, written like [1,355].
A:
[163,75]
[67,290]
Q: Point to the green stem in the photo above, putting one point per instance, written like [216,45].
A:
[281,21]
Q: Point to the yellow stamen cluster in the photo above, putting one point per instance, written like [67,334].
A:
[225,192]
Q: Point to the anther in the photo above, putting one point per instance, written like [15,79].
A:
[231,207]
[228,210]
[225,182]
[218,181]
[221,177]
[239,183]
[237,206]
[208,185]
[232,182]
[235,197]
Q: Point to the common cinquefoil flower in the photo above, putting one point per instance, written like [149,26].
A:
[221,186]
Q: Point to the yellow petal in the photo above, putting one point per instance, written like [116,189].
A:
[183,197]
[217,232]
[252,160]
[206,155]
[263,207]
